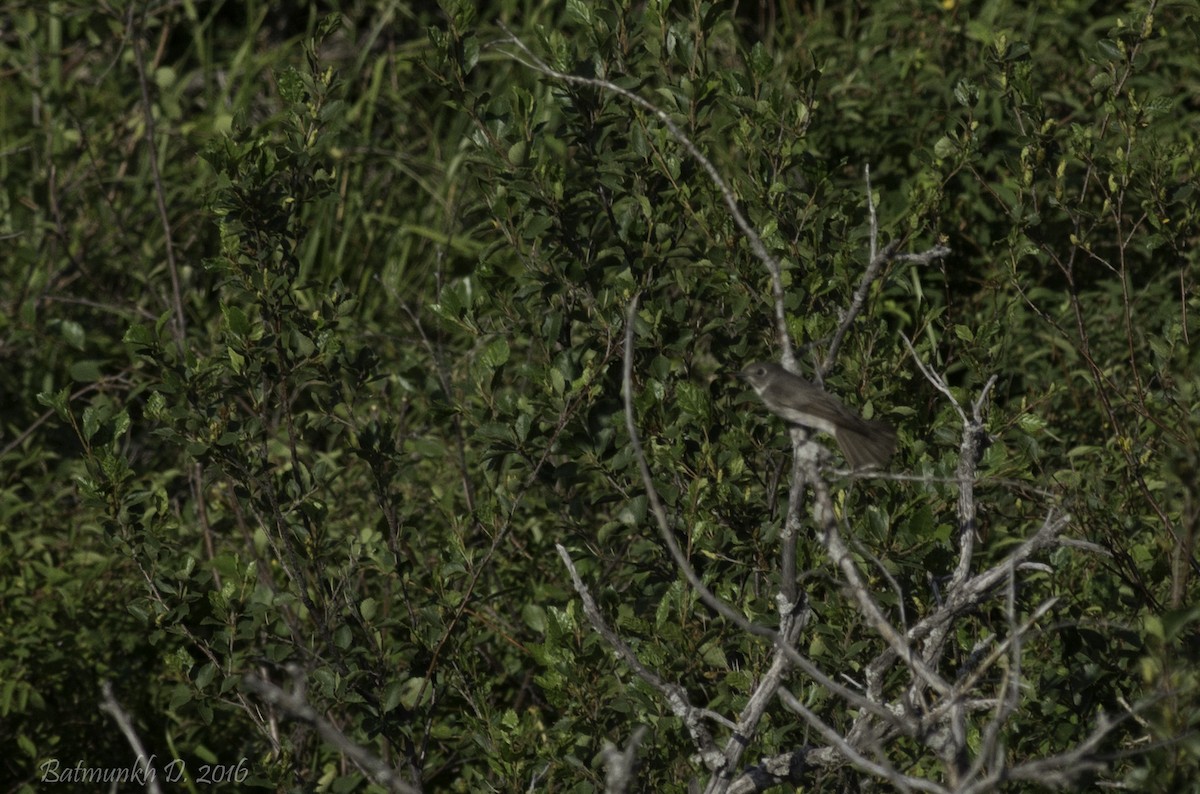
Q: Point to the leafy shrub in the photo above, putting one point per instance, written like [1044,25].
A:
[314,353]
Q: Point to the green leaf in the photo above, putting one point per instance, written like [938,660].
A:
[534,617]
[293,87]
[966,93]
[236,320]
[496,354]
[1110,50]
[86,371]
[579,12]
[236,360]
[72,332]
[413,689]
[205,676]
[138,335]
[56,401]
[945,148]
[92,417]
[26,744]
[393,695]
[1031,423]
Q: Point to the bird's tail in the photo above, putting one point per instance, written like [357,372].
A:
[869,444]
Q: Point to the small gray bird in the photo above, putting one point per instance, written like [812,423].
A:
[793,399]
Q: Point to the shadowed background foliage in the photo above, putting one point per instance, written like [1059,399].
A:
[311,352]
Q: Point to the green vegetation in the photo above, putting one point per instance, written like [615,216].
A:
[313,341]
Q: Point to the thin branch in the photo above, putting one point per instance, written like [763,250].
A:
[1059,770]
[857,303]
[656,505]
[969,453]
[966,598]
[113,707]
[871,215]
[179,324]
[619,763]
[756,705]
[990,748]
[675,695]
[858,300]
[938,251]
[792,523]
[972,593]
[295,705]
[119,378]
[853,756]
[877,260]
[760,251]
[840,555]
[930,479]
[793,767]
[934,379]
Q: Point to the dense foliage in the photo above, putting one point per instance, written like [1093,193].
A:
[313,344]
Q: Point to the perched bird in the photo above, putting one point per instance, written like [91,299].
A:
[863,442]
